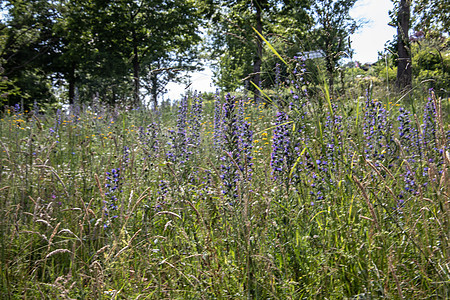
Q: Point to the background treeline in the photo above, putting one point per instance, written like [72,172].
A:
[127,51]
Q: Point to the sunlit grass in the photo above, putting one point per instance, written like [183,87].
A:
[357,210]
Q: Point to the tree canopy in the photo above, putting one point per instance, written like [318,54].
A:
[103,47]
[126,51]
[240,49]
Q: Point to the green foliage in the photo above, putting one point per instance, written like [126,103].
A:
[391,73]
[284,24]
[97,49]
[335,25]
[175,235]
[431,63]
[7,88]
[432,15]
[26,49]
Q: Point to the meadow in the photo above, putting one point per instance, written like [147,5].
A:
[305,197]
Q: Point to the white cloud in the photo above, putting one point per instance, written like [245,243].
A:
[200,81]
[371,38]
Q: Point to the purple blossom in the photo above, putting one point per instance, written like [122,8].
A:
[408,135]
[195,121]
[245,144]
[237,146]
[428,136]
[281,157]
[179,152]
[377,131]
[218,122]
[149,139]
[163,190]
[113,185]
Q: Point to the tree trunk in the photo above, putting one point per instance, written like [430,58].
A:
[258,57]
[330,71]
[404,70]
[154,90]
[136,99]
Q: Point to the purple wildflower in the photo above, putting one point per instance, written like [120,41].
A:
[179,152]
[230,160]
[195,121]
[218,123]
[377,131]
[112,186]
[409,138]
[281,158]
[149,139]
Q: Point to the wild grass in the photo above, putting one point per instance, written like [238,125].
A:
[342,198]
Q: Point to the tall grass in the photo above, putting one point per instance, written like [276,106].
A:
[227,199]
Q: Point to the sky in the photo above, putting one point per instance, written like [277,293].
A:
[371,38]
[366,42]
[201,82]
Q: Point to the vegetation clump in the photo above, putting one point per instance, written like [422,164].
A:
[227,198]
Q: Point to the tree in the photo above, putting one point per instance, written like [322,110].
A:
[26,48]
[335,25]
[431,57]
[432,15]
[148,35]
[95,45]
[74,47]
[239,48]
[404,67]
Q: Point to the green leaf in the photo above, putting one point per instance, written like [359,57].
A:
[296,162]
[261,91]
[270,46]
